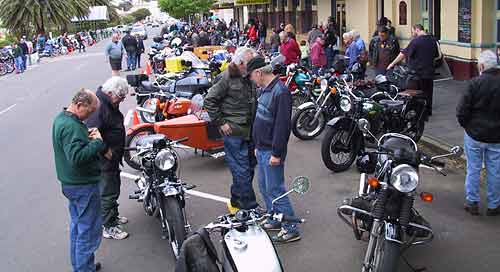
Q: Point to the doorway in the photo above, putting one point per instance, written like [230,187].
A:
[430,16]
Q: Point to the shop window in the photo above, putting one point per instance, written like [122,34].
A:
[498,31]
[403,13]
[464,21]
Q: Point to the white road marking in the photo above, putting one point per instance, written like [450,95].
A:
[7,109]
[191,192]
[128,117]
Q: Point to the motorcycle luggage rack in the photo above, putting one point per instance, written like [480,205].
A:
[343,213]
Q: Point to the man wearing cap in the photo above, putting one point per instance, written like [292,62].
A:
[271,131]
[230,103]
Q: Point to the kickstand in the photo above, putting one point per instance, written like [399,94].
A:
[411,267]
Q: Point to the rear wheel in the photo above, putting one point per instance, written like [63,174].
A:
[304,126]
[131,141]
[339,149]
[174,220]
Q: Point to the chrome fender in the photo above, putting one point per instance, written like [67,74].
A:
[306,105]
[251,251]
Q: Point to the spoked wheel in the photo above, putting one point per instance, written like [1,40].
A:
[386,255]
[174,220]
[339,149]
[304,126]
[147,117]
[3,69]
[131,141]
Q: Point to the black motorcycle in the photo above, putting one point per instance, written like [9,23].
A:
[383,212]
[160,189]
[344,140]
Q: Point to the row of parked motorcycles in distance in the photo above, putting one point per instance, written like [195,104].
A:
[7,64]
[374,123]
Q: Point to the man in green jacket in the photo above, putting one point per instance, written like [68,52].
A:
[231,106]
[76,154]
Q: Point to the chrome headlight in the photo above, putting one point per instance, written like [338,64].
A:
[165,160]
[404,178]
[345,103]
[324,84]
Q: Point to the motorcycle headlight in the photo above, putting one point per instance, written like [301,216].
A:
[324,84]
[404,178]
[165,160]
[345,103]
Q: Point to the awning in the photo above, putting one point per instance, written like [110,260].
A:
[251,2]
[96,13]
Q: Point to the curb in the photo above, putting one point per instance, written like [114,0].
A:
[439,146]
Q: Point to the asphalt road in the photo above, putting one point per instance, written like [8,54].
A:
[34,216]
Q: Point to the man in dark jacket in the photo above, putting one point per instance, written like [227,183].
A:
[109,121]
[140,50]
[384,48]
[479,114]
[76,153]
[130,45]
[231,106]
[271,131]
[330,42]
[24,47]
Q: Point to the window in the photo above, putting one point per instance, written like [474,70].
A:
[403,18]
[464,21]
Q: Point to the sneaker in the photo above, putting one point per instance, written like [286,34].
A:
[473,208]
[114,233]
[493,212]
[270,226]
[122,220]
[286,237]
[98,266]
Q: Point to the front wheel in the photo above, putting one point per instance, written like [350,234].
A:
[304,126]
[339,149]
[131,141]
[386,256]
[174,220]
[147,117]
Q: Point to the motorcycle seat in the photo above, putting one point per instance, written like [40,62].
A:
[392,104]
[150,139]
[150,88]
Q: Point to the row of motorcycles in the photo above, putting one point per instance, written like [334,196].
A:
[375,123]
[7,64]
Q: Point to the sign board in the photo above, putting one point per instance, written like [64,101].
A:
[464,21]
[251,2]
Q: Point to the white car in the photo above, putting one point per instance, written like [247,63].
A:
[139,30]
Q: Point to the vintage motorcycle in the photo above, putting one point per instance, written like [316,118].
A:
[343,140]
[298,80]
[160,188]
[246,246]
[383,212]
[162,106]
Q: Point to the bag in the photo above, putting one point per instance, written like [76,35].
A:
[439,59]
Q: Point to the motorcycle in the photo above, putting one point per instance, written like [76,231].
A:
[344,140]
[6,62]
[383,212]
[296,79]
[160,188]
[162,106]
[246,246]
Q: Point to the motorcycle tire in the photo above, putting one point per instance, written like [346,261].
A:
[175,224]
[329,144]
[3,69]
[10,67]
[129,142]
[386,255]
[147,117]
[303,127]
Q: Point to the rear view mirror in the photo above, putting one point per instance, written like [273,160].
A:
[457,151]
[301,185]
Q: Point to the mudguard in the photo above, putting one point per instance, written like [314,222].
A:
[306,105]
[131,130]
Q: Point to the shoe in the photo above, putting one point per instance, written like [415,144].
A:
[493,212]
[233,209]
[268,226]
[114,233]
[128,70]
[286,237]
[122,220]
[98,266]
[473,209]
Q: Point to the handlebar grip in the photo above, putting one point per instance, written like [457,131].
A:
[130,149]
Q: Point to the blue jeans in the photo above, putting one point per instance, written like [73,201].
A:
[271,186]
[25,62]
[131,60]
[19,64]
[477,153]
[241,161]
[329,57]
[86,224]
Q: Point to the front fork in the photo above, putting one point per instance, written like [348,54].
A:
[372,243]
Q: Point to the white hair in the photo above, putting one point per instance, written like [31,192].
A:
[283,35]
[242,55]
[355,34]
[347,35]
[116,85]
[488,58]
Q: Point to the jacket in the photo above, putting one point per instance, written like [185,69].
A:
[272,126]
[318,56]
[290,49]
[76,156]
[109,120]
[130,43]
[478,111]
[114,50]
[252,33]
[232,100]
[391,44]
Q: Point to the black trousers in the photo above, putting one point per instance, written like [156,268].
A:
[110,192]
[427,86]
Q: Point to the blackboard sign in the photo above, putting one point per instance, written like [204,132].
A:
[464,21]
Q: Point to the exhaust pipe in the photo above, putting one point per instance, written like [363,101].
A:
[145,110]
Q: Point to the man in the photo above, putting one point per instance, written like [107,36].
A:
[313,35]
[130,45]
[114,53]
[81,45]
[25,52]
[109,121]
[231,106]
[420,55]
[262,34]
[384,48]
[351,48]
[289,49]
[140,49]
[478,113]
[76,153]
[215,37]
[331,42]
[271,131]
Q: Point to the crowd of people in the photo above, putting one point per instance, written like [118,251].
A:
[132,46]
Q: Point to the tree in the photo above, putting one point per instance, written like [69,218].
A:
[140,14]
[183,8]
